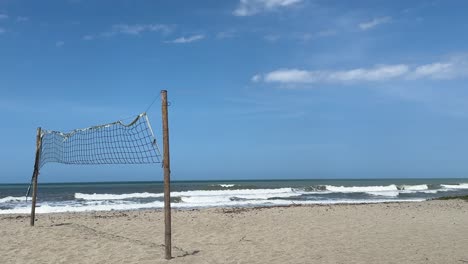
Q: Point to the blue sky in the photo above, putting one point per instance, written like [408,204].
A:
[259,88]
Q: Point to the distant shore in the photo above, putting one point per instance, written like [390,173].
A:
[425,232]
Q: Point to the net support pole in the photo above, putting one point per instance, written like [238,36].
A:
[167,177]
[35,175]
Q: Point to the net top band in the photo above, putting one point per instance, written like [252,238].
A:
[112,143]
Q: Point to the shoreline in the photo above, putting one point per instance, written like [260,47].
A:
[326,203]
[243,208]
[135,196]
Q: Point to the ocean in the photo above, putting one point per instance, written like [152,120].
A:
[106,196]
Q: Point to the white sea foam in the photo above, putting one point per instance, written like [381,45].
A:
[209,196]
[226,196]
[385,193]
[420,187]
[244,193]
[352,189]
[204,196]
[12,199]
[455,186]
[49,208]
[229,198]
[388,191]
[106,196]
[226,185]
[427,191]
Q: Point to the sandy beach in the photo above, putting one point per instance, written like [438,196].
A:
[425,232]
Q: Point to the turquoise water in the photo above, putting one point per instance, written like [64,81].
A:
[65,197]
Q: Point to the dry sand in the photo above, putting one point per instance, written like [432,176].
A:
[427,232]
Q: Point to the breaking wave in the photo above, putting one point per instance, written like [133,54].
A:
[455,186]
[389,191]
[224,195]
[225,185]
[106,196]
[12,199]
[420,187]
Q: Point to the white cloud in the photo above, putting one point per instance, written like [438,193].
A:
[307,36]
[456,67]
[272,37]
[59,44]
[226,34]
[375,22]
[252,7]
[134,30]
[88,37]
[378,73]
[435,70]
[3,16]
[183,40]
[256,78]
[326,33]
[290,75]
[22,19]
[137,29]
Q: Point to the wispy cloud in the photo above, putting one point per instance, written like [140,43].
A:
[303,76]
[436,70]
[137,29]
[272,37]
[22,19]
[2,30]
[226,34]
[326,33]
[252,7]
[59,43]
[456,67]
[374,22]
[183,40]
[307,36]
[256,78]
[88,37]
[3,16]
[133,30]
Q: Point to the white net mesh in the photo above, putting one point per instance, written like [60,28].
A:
[114,143]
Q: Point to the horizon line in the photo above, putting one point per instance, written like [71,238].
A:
[238,180]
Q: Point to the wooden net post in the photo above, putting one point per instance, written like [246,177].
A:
[167,177]
[35,175]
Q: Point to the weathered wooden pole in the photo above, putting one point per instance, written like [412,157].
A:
[35,175]
[167,176]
